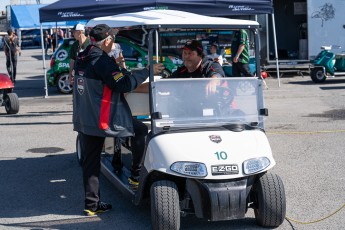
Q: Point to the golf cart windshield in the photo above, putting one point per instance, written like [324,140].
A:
[182,103]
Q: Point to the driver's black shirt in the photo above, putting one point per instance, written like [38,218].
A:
[207,68]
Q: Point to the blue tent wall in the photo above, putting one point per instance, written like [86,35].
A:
[27,17]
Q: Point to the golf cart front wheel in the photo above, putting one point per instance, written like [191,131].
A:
[270,201]
[165,208]
[317,75]
[11,103]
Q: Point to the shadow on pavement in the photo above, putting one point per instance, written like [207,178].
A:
[327,82]
[34,88]
[49,191]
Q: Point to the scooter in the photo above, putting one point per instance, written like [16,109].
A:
[7,97]
[327,64]
[205,155]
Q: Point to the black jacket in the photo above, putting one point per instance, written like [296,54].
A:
[99,106]
[207,68]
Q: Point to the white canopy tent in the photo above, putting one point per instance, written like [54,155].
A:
[173,19]
[165,18]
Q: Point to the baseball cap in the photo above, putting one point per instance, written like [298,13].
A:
[79,27]
[101,31]
[194,45]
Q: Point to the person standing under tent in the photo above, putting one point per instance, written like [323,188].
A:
[116,53]
[214,55]
[78,46]
[11,48]
[240,54]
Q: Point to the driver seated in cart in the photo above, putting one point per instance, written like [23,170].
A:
[195,65]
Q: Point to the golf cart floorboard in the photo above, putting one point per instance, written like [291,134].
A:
[119,180]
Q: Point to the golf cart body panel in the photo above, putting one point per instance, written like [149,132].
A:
[222,158]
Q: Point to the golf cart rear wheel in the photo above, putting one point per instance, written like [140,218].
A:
[317,75]
[165,208]
[63,84]
[11,103]
[78,150]
[270,201]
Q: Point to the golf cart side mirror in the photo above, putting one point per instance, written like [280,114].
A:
[264,112]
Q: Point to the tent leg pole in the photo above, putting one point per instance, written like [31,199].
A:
[44,63]
[275,48]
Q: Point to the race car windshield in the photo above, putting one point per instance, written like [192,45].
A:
[184,103]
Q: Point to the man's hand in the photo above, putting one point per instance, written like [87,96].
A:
[211,87]
[70,79]
[157,68]
[119,60]
[235,59]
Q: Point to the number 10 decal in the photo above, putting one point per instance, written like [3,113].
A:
[221,155]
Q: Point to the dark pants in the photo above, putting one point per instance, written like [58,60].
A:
[11,67]
[91,149]
[239,69]
[138,144]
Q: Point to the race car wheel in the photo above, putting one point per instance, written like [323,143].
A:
[317,75]
[165,208]
[269,200]
[78,150]
[11,103]
[63,85]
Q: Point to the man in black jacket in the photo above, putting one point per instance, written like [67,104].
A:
[100,109]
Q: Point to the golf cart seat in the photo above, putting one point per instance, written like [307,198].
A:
[139,103]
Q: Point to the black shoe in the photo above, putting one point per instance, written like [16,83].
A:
[133,180]
[102,207]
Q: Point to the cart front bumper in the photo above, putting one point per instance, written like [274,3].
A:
[224,200]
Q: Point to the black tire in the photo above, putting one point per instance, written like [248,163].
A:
[269,201]
[63,85]
[11,103]
[78,150]
[317,75]
[165,208]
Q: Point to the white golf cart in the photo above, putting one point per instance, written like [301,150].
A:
[205,155]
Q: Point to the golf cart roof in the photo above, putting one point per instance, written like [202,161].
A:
[170,19]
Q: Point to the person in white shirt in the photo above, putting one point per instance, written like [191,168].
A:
[116,53]
[215,57]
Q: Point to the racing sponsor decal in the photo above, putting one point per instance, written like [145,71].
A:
[69,14]
[61,55]
[217,170]
[240,8]
[215,138]
[63,65]
[80,86]
[117,76]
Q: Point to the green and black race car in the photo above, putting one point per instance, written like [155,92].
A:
[135,55]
